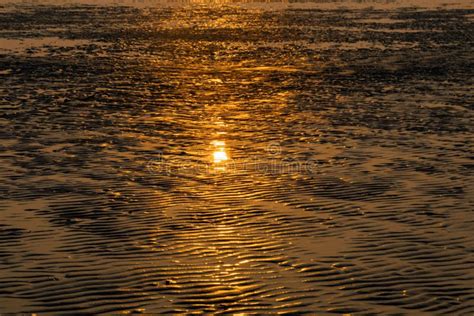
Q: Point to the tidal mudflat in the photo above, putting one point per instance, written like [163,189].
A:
[226,160]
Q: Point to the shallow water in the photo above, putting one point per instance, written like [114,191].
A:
[235,160]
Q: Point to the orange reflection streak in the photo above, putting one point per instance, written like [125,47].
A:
[219,154]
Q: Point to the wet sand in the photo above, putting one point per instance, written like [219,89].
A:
[226,159]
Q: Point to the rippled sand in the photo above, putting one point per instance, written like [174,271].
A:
[234,160]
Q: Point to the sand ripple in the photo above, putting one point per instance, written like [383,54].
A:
[342,181]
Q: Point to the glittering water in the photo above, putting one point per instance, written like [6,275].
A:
[235,160]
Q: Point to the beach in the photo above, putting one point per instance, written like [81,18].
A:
[237,158]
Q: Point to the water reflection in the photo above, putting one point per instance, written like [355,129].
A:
[219,155]
[224,161]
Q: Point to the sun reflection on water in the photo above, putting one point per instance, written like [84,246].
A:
[219,154]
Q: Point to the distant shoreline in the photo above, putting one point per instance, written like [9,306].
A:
[271,4]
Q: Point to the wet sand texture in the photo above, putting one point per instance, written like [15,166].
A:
[350,134]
